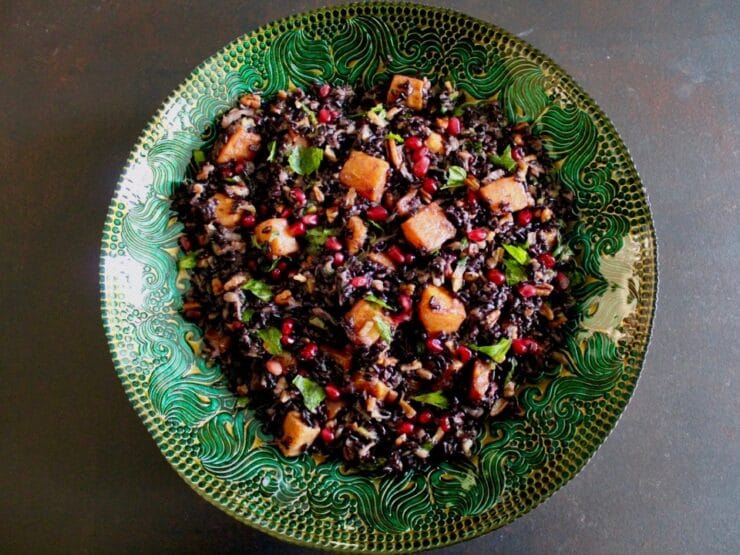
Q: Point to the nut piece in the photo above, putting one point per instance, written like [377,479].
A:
[274,232]
[480,381]
[357,234]
[415,98]
[225,214]
[297,435]
[429,228]
[362,321]
[366,174]
[242,145]
[506,195]
[440,310]
[250,101]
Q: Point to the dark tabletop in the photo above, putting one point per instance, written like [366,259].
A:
[78,82]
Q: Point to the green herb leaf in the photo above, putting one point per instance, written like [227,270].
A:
[478,147]
[247,315]
[188,262]
[270,267]
[396,137]
[259,289]
[313,393]
[317,322]
[316,238]
[310,114]
[305,160]
[455,177]
[435,398]
[496,352]
[271,151]
[515,272]
[519,254]
[386,333]
[271,340]
[510,373]
[378,109]
[505,160]
[378,301]
[199,156]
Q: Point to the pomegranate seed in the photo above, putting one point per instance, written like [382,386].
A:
[410,257]
[239,167]
[185,243]
[359,281]
[527,290]
[237,325]
[274,367]
[464,354]
[517,154]
[519,346]
[425,417]
[287,326]
[396,255]
[471,198]
[562,280]
[310,351]
[310,219]
[413,143]
[405,302]
[297,229]
[420,153]
[406,428]
[547,260]
[299,196]
[249,221]
[252,265]
[429,185]
[282,265]
[287,340]
[327,435]
[227,171]
[286,213]
[421,167]
[276,274]
[325,115]
[333,244]
[332,392]
[262,209]
[444,423]
[377,214]
[532,346]
[497,277]
[434,345]
[478,234]
[324,90]
[524,217]
[454,126]
[338,258]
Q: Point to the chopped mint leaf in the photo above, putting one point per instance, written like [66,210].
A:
[271,340]
[305,160]
[378,109]
[378,301]
[478,147]
[316,238]
[505,160]
[247,315]
[317,322]
[510,373]
[435,398]
[313,393]
[199,156]
[271,151]
[188,262]
[386,334]
[496,352]
[310,114]
[515,272]
[396,137]
[519,254]
[455,177]
[259,289]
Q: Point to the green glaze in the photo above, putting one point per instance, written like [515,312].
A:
[215,442]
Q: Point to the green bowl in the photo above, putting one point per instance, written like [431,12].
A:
[217,445]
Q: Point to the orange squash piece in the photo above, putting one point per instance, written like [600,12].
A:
[225,213]
[274,233]
[440,311]
[415,98]
[429,228]
[366,174]
[480,380]
[297,435]
[505,195]
[242,145]
[362,320]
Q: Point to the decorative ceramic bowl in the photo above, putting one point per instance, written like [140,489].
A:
[214,441]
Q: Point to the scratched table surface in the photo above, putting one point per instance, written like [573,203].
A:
[78,83]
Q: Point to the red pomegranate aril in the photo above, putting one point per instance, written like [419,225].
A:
[310,351]
[249,221]
[533,347]
[464,354]
[262,209]
[434,345]
[406,428]
[237,325]
[327,436]
[338,258]
[421,167]
[324,90]
[332,392]
[478,234]
[420,153]
[286,213]
[454,126]
[471,198]
[396,255]
[444,423]
[252,265]
[405,302]
[410,257]
[227,171]
[425,417]
[325,115]
[519,346]
[497,277]
[523,217]
[276,274]
[287,326]
[333,244]
[287,340]
[297,229]
[310,219]
[359,281]
[377,214]
[429,185]
[517,154]
[562,280]
[527,290]
[547,260]
[413,143]
[185,243]
[299,196]
[282,265]
[239,167]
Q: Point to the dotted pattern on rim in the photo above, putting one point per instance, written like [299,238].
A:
[216,444]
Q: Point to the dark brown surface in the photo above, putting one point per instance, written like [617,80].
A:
[79,81]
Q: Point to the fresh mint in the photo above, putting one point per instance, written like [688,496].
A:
[378,301]
[313,394]
[386,333]
[455,177]
[505,160]
[271,340]
[259,289]
[435,398]
[304,160]
[395,137]
[271,151]
[519,254]
[496,352]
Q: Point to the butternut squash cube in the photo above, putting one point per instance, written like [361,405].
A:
[440,311]
[242,145]
[225,213]
[506,195]
[342,358]
[429,228]
[366,174]
[274,233]
[363,320]
[297,435]
[357,234]
[435,143]
[415,98]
